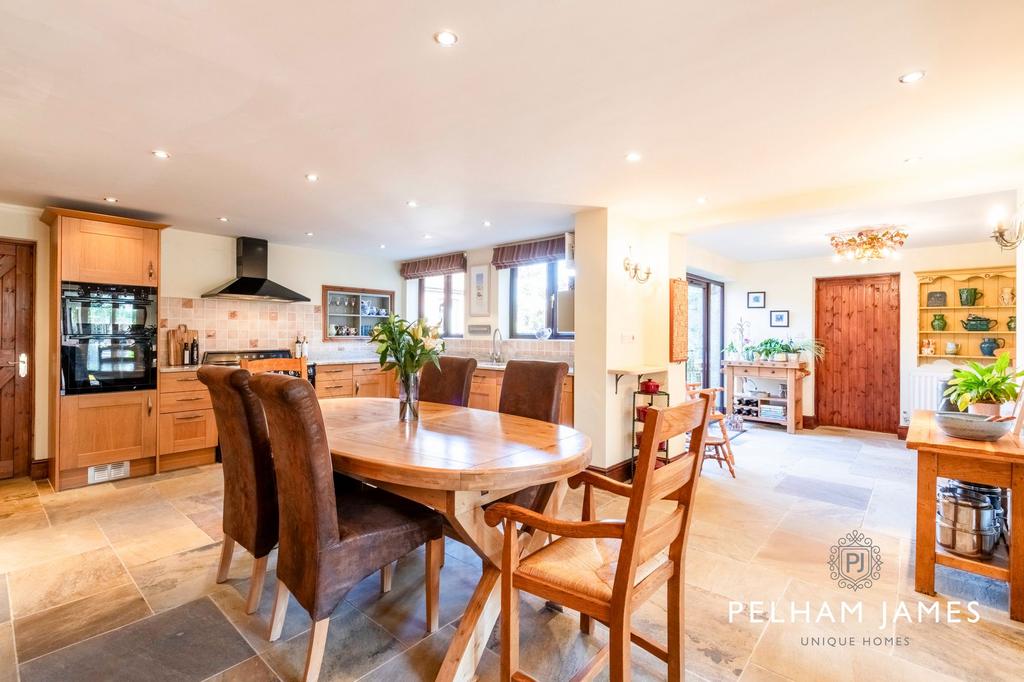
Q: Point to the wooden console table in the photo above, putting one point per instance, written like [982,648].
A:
[792,373]
[1000,463]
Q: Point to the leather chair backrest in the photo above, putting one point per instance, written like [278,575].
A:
[533,389]
[451,384]
[250,490]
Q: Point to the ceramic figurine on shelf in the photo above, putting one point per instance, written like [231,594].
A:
[927,347]
[938,322]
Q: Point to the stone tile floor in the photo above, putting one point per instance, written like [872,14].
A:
[117,582]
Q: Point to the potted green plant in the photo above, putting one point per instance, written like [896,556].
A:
[406,347]
[771,349]
[982,389]
[813,347]
[731,352]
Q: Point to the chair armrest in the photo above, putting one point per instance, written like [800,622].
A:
[570,529]
[602,482]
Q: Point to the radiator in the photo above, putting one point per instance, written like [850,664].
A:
[926,390]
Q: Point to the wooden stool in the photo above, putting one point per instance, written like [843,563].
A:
[718,448]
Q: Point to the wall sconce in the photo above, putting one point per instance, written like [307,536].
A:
[634,270]
[1008,237]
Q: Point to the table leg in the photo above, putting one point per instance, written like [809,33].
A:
[924,556]
[484,607]
[1017,542]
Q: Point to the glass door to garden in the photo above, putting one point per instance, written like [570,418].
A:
[706,317]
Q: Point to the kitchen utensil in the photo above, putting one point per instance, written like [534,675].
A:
[990,344]
[971,426]
[543,334]
[967,523]
[177,339]
[641,412]
[969,296]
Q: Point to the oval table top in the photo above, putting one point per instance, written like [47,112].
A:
[450,447]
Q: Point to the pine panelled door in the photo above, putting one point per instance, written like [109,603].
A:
[857,384]
[17,281]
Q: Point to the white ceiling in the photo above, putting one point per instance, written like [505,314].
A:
[527,119]
[934,223]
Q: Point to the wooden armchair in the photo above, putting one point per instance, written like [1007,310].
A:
[603,569]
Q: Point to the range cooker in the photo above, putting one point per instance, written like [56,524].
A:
[232,358]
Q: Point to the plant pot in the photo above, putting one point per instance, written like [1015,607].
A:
[779,357]
[731,356]
[792,357]
[987,409]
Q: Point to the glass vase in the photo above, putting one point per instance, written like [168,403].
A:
[409,398]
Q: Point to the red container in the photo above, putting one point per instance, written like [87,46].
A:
[641,412]
[662,446]
[649,386]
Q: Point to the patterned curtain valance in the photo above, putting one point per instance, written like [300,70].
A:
[527,253]
[436,265]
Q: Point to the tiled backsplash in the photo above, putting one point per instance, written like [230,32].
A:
[239,325]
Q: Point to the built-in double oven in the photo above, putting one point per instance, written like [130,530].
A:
[108,338]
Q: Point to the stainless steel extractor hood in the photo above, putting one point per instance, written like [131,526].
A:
[251,281]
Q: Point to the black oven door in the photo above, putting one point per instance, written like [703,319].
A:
[94,364]
[105,310]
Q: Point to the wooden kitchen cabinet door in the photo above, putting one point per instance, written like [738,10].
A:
[484,396]
[184,431]
[106,253]
[107,427]
[372,385]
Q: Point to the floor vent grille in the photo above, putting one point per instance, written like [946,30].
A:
[101,473]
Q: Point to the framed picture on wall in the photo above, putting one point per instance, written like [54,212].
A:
[778,318]
[479,291]
[755,299]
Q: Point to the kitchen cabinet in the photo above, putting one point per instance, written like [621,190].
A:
[334,381]
[485,394]
[107,253]
[353,313]
[100,428]
[188,426]
[366,380]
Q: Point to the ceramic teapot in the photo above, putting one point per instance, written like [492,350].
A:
[977,323]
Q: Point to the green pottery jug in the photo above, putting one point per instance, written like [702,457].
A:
[938,322]
[1011,323]
[969,296]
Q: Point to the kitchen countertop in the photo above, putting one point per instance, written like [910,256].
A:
[481,364]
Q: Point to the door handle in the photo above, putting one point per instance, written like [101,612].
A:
[151,269]
[149,405]
[357,388]
[22,365]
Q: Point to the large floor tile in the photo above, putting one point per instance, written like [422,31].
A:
[83,503]
[249,670]
[840,494]
[39,546]
[254,627]
[355,646]
[66,579]
[46,631]
[5,603]
[189,643]
[421,662]
[186,576]
[8,657]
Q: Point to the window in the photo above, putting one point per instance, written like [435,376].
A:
[443,302]
[706,329]
[533,303]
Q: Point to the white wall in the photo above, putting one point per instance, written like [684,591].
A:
[789,285]
[22,222]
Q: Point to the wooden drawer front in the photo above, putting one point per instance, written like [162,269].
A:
[173,382]
[331,380]
[490,377]
[185,400]
[483,395]
[334,371]
[343,388]
[747,371]
[367,369]
[772,372]
[190,430]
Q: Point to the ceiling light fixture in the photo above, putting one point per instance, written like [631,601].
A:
[412,203]
[446,38]
[223,219]
[312,177]
[870,243]
[309,234]
[634,157]
[911,77]
[428,236]
[161,154]
[702,200]
[912,159]
[382,246]
[110,200]
[487,223]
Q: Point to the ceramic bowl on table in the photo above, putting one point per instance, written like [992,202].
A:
[971,426]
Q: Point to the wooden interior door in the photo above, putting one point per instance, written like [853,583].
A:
[17,283]
[857,384]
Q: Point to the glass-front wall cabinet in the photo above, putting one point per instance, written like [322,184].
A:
[352,313]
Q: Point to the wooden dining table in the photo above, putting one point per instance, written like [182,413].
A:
[456,460]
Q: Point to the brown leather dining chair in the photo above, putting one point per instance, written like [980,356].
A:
[332,536]
[604,569]
[250,493]
[450,384]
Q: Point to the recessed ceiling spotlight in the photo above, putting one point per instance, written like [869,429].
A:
[312,177]
[487,223]
[633,157]
[223,219]
[412,203]
[161,154]
[911,77]
[382,246]
[445,38]
[309,234]
[428,236]
[110,200]
[702,200]
[912,159]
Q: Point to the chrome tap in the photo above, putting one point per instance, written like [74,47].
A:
[496,341]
